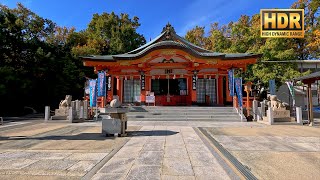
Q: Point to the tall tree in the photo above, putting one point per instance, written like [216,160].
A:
[197,36]
[111,34]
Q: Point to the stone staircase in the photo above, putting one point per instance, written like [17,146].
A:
[182,113]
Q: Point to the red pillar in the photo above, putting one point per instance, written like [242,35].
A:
[119,88]
[220,90]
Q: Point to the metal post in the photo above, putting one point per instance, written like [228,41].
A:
[310,105]
[96,113]
[168,94]
[255,109]
[248,110]
[105,89]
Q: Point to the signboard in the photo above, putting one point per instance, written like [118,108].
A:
[109,78]
[194,82]
[231,81]
[93,95]
[282,23]
[272,86]
[238,86]
[143,82]
[150,99]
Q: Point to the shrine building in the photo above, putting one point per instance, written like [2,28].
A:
[172,69]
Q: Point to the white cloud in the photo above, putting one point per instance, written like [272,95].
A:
[205,12]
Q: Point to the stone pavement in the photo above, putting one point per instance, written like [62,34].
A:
[164,152]
[53,150]
[274,152]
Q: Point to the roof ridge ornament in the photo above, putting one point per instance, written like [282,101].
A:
[169,31]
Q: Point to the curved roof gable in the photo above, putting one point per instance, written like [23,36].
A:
[168,39]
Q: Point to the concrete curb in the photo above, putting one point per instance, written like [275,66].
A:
[245,172]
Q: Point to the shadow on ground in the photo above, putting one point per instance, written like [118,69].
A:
[90,136]
[152,133]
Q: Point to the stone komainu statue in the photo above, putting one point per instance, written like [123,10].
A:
[66,102]
[276,104]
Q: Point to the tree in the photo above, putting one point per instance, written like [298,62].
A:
[36,66]
[243,36]
[110,34]
[197,36]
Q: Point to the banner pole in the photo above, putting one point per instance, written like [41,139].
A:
[105,89]
[96,97]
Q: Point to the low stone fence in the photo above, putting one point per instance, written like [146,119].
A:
[264,113]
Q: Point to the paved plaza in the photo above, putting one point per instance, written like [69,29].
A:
[164,152]
[274,152]
[157,150]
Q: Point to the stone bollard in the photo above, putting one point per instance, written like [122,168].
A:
[47,113]
[270,116]
[299,115]
[81,112]
[85,109]
[73,107]
[77,108]
[255,109]
[71,115]
[259,114]
[263,107]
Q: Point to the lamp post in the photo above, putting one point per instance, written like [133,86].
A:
[247,88]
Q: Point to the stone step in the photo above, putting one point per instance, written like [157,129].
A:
[183,116]
[182,111]
[177,107]
[178,113]
[186,119]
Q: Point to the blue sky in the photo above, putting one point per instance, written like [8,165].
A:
[182,14]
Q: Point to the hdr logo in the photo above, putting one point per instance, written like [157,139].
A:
[282,23]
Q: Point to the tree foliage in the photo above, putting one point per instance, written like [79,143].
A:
[243,36]
[110,34]
[38,59]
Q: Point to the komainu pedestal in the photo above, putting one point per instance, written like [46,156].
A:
[279,111]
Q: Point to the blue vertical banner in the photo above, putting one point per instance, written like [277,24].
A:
[272,87]
[231,81]
[101,83]
[238,86]
[93,95]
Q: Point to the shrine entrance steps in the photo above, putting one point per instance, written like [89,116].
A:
[179,113]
